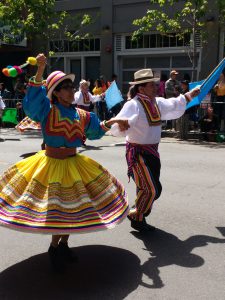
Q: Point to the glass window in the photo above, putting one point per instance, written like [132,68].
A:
[57,63]
[156,41]
[133,62]
[146,41]
[158,62]
[128,42]
[181,62]
[128,75]
[173,41]
[166,41]
[75,46]
[97,45]
[153,41]
[159,41]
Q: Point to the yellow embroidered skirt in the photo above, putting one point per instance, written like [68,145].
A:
[46,195]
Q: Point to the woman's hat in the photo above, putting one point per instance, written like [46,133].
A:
[84,82]
[144,75]
[54,79]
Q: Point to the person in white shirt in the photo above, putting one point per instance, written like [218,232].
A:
[83,98]
[2,106]
[145,112]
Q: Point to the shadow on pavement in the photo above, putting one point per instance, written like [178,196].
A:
[102,272]
[166,249]
[25,155]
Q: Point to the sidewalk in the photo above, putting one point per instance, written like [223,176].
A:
[191,135]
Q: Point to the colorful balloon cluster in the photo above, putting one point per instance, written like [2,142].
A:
[13,71]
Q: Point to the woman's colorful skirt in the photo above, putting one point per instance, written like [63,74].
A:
[28,124]
[46,195]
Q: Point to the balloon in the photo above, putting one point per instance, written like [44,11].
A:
[5,71]
[13,71]
[32,61]
[18,69]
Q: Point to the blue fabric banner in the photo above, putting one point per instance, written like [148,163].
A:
[207,84]
[113,95]
[194,84]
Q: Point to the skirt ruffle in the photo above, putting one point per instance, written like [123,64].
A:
[47,195]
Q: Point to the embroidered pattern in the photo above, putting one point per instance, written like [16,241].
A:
[86,98]
[151,110]
[63,126]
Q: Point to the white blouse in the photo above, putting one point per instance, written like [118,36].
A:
[78,98]
[2,104]
[140,132]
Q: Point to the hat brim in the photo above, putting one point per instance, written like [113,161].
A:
[68,76]
[85,83]
[145,81]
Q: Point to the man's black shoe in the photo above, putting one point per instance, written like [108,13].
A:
[140,225]
[66,253]
[55,259]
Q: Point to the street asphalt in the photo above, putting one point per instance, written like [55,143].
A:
[184,258]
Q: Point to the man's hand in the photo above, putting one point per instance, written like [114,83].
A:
[191,94]
[195,92]
[123,124]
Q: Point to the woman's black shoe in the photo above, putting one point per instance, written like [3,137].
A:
[55,259]
[66,253]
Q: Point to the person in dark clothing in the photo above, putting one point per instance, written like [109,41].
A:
[210,121]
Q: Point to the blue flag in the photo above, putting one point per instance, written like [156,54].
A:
[207,84]
[113,95]
[192,85]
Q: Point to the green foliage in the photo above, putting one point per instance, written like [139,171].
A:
[190,15]
[36,17]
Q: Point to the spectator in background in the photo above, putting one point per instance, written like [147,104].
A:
[100,106]
[97,90]
[83,98]
[114,77]
[4,92]
[2,87]
[172,85]
[209,123]
[219,90]
[19,88]
[161,89]
[2,107]
[172,89]
[105,84]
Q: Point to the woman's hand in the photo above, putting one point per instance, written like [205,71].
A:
[41,60]
[41,63]
[123,124]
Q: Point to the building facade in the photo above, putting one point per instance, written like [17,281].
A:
[110,50]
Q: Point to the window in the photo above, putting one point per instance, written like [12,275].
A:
[75,46]
[156,41]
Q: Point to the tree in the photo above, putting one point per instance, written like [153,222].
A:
[38,18]
[183,17]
